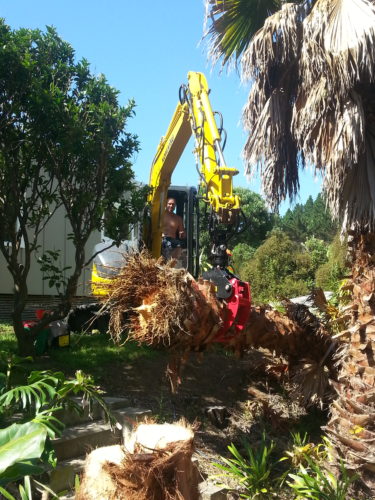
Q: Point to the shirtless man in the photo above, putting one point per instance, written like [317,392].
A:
[172,231]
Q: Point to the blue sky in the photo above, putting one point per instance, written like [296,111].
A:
[145,49]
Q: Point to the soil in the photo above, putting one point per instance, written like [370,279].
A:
[214,396]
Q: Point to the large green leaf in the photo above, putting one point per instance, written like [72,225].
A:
[32,467]
[21,442]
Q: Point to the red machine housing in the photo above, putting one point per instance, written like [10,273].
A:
[236,312]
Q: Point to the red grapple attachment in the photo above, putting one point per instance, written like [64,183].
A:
[236,312]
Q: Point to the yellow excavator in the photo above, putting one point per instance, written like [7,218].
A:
[193,116]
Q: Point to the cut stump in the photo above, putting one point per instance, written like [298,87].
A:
[155,465]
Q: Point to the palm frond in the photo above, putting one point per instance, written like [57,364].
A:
[230,25]
[271,147]
[271,61]
[276,43]
[339,38]
[354,199]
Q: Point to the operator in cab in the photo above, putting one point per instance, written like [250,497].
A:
[173,232]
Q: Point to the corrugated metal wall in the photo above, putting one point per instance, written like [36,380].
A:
[34,302]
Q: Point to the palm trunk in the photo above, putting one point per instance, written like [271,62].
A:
[352,423]
[163,306]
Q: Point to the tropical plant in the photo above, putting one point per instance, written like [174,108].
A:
[312,68]
[317,483]
[25,448]
[252,471]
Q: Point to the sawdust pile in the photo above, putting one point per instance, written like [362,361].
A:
[155,465]
[162,306]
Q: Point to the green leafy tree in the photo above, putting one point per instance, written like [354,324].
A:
[278,268]
[62,144]
[241,255]
[318,252]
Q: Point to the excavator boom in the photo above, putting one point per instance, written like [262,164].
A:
[193,116]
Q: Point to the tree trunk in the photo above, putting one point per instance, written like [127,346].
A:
[25,339]
[155,465]
[162,306]
[352,422]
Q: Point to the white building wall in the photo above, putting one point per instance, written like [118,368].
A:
[54,237]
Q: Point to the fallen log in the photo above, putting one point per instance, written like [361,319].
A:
[156,464]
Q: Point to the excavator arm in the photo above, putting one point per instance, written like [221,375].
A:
[194,116]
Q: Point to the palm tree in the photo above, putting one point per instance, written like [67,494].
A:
[311,65]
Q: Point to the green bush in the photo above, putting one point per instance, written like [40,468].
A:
[279,268]
[329,275]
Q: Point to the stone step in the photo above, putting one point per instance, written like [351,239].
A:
[128,418]
[80,439]
[211,491]
[63,477]
[70,417]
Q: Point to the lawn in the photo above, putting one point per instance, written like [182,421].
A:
[90,353]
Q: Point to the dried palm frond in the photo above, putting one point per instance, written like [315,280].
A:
[318,60]
[271,146]
[338,42]
[271,61]
[332,118]
[276,44]
[312,383]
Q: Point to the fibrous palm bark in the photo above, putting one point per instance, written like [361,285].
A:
[352,423]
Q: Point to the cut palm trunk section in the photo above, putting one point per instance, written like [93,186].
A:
[156,464]
[163,306]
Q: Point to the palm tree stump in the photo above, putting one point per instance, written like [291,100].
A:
[156,464]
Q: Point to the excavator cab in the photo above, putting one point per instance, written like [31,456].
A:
[187,209]
[108,261]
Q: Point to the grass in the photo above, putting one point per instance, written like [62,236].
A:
[90,353]
[7,338]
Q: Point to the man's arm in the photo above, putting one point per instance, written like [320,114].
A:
[180,228]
